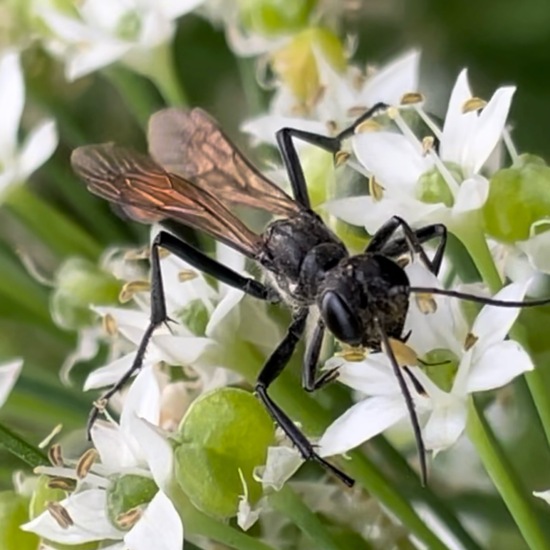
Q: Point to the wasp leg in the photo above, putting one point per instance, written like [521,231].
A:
[408,401]
[310,381]
[412,241]
[269,373]
[158,304]
[291,160]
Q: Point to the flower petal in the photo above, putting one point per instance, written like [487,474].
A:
[38,148]
[445,425]
[392,81]
[544,495]
[497,366]
[160,527]
[361,422]
[88,511]
[93,57]
[490,126]
[182,350]
[472,194]
[9,373]
[172,9]
[280,465]
[225,318]
[459,126]
[494,322]
[141,400]
[12,99]
[392,159]
[115,454]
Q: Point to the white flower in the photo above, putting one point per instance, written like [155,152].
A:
[398,161]
[9,373]
[211,326]
[18,162]
[105,32]
[485,360]
[340,100]
[134,446]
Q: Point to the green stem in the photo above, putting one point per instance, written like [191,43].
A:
[138,95]
[198,523]
[288,503]
[162,71]
[59,233]
[21,449]
[505,479]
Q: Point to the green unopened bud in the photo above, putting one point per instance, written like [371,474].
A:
[441,365]
[195,317]
[296,65]
[275,17]
[432,187]
[223,432]
[14,511]
[80,284]
[126,494]
[518,196]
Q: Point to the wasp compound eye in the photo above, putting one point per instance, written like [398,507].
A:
[340,319]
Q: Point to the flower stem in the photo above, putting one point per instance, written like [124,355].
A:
[198,523]
[162,71]
[288,503]
[505,479]
[21,449]
[59,233]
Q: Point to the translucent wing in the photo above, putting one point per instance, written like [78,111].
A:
[191,144]
[148,193]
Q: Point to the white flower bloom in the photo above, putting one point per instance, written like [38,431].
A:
[102,33]
[209,329]
[9,373]
[340,100]
[398,161]
[18,162]
[544,495]
[134,446]
[485,360]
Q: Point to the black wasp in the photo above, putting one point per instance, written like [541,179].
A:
[195,175]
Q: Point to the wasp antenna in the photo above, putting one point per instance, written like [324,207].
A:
[478,299]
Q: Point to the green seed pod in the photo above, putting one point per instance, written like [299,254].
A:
[518,196]
[223,432]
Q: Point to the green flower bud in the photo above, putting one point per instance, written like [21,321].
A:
[432,187]
[518,196]
[14,511]
[296,66]
[80,284]
[126,493]
[441,365]
[222,432]
[275,17]
[195,317]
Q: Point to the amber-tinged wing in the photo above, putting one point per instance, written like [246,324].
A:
[147,193]
[192,145]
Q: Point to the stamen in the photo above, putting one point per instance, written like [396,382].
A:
[470,340]
[403,353]
[60,514]
[55,455]
[428,121]
[352,354]
[376,191]
[473,104]
[85,463]
[412,98]
[332,127]
[128,519]
[509,144]
[341,157]
[47,440]
[131,288]
[427,144]
[187,275]
[425,303]
[63,483]
[447,176]
[369,125]
[109,325]
[137,254]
